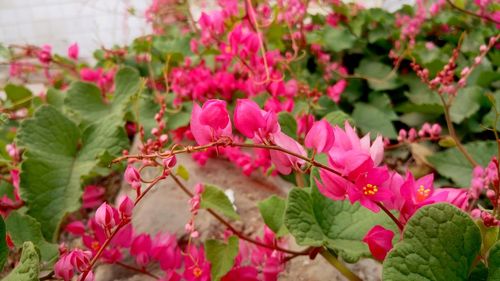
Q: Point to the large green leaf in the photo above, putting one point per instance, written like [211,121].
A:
[23,228]
[494,262]
[466,103]
[338,118]
[4,250]
[221,256]
[315,220]
[18,96]
[272,211]
[86,99]
[214,198]
[380,76]
[440,243]
[28,267]
[372,119]
[288,124]
[57,155]
[452,164]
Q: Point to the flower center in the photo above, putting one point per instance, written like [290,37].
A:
[370,189]
[95,245]
[197,271]
[423,193]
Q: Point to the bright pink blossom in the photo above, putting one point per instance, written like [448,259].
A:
[254,122]
[133,177]
[320,137]
[125,206]
[285,162]
[210,122]
[141,248]
[196,267]
[76,228]
[368,188]
[336,90]
[93,196]
[45,54]
[73,51]
[379,241]
[105,216]
[165,250]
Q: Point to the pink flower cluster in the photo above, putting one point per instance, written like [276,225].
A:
[431,131]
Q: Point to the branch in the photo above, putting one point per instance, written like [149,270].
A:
[472,13]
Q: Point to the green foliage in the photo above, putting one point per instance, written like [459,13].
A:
[338,118]
[452,163]
[4,250]
[315,220]
[372,119]
[466,103]
[214,198]
[494,262]
[380,76]
[440,242]
[272,211]
[28,268]
[221,256]
[288,124]
[18,96]
[23,228]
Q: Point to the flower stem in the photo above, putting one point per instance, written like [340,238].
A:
[391,215]
[453,134]
[339,266]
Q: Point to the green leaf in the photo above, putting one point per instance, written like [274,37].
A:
[28,267]
[183,172]
[86,100]
[221,256]
[372,119]
[494,262]
[440,243]
[338,39]
[214,198]
[4,250]
[466,103]
[338,118]
[420,93]
[288,124]
[380,76]
[55,98]
[18,95]
[452,164]
[57,156]
[272,211]
[23,228]
[315,220]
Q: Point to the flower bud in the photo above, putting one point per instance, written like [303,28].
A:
[320,137]
[133,177]
[125,206]
[104,216]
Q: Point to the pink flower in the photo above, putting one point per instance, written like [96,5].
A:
[63,268]
[45,54]
[14,174]
[285,162]
[76,228]
[125,206]
[379,241]
[454,196]
[333,186]
[73,51]
[336,90]
[105,217]
[210,122]
[254,122]
[93,196]
[368,188]
[196,267]
[133,177]
[320,137]
[166,251]
[141,248]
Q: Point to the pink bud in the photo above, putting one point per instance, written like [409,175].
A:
[170,162]
[477,60]
[483,48]
[76,228]
[73,51]
[465,71]
[125,206]
[402,135]
[412,135]
[320,137]
[63,268]
[104,216]
[379,241]
[133,177]
[214,114]
[436,130]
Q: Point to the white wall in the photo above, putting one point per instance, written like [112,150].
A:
[90,23]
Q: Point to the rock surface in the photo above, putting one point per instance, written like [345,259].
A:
[165,208]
